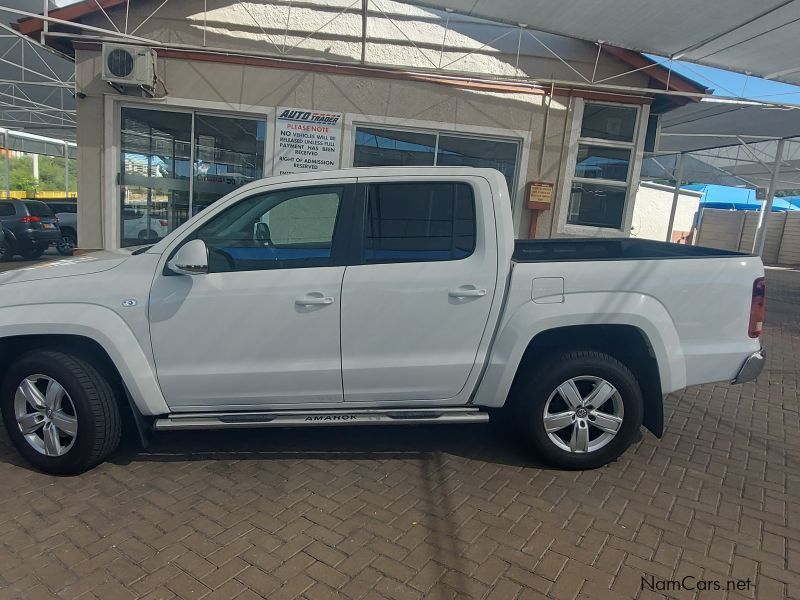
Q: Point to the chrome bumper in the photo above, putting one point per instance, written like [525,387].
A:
[751,368]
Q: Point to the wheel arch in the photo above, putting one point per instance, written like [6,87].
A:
[627,343]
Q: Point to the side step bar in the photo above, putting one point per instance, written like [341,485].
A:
[311,418]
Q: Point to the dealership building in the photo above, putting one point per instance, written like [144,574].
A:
[179,103]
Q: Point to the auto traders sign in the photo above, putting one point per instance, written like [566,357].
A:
[307,140]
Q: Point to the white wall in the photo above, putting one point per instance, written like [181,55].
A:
[652,208]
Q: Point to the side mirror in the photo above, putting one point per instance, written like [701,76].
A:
[190,259]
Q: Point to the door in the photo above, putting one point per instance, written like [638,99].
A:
[261,328]
[416,309]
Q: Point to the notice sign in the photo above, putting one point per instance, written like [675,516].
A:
[540,195]
[307,140]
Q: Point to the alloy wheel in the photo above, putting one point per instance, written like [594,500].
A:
[45,415]
[583,414]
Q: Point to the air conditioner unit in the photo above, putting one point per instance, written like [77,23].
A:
[129,65]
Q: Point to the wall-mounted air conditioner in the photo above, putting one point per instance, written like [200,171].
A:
[129,65]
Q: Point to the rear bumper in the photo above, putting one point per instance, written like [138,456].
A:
[37,237]
[751,368]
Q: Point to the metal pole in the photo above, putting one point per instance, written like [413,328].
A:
[6,151]
[675,195]
[763,218]
[66,170]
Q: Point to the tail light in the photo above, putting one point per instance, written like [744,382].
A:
[30,219]
[163,222]
[757,307]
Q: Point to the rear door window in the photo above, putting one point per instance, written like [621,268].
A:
[38,209]
[6,209]
[419,221]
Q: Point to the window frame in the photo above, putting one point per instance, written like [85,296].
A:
[359,220]
[341,246]
[569,177]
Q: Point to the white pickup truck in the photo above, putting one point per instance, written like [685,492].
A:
[369,296]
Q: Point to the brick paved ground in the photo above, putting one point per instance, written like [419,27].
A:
[430,512]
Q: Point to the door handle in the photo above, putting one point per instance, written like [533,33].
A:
[467,292]
[313,300]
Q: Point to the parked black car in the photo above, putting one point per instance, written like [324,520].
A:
[29,227]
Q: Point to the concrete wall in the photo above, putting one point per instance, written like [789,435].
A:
[735,230]
[651,211]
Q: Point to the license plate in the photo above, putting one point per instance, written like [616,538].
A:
[48,226]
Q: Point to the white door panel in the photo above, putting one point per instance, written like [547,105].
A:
[411,331]
[248,338]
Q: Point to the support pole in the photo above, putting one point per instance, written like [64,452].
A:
[6,151]
[66,170]
[675,195]
[364,13]
[763,218]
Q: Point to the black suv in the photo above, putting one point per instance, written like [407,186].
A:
[29,226]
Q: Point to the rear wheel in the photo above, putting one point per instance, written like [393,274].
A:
[580,410]
[60,412]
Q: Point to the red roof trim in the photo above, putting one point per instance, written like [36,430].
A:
[32,25]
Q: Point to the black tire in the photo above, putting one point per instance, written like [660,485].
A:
[530,396]
[66,245]
[32,253]
[95,403]
[6,251]
[147,235]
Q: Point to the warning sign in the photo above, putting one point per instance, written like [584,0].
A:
[307,140]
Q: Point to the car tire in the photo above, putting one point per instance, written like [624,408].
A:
[6,251]
[147,235]
[66,245]
[32,253]
[72,424]
[579,410]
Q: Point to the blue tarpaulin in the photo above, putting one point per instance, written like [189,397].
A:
[733,198]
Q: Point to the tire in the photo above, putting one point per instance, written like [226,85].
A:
[32,253]
[147,235]
[581,435]
[66,245]
[6,251]
[89,405]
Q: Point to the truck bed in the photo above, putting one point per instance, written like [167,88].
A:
[584,249]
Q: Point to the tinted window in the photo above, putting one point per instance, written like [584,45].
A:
[6,209]
[596,205]
[386,147]
[38,209]
[408,222]
[285,229]
[608,122]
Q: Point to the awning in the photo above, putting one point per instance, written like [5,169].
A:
[761,38]
[728,143]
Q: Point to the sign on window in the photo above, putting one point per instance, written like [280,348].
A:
[307,140]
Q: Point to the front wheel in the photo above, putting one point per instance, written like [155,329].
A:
[580,410]
[60,412]
[66,245]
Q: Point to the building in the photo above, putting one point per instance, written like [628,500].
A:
[246,90]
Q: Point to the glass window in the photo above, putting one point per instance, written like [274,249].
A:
[6,209]
[284,229]
[388,148]
[609,122]
[596,205]
[597,162]
[408,222]
[157,171]
[38,209]
[478,152]
[154,175]
[599,187]
[228,153]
